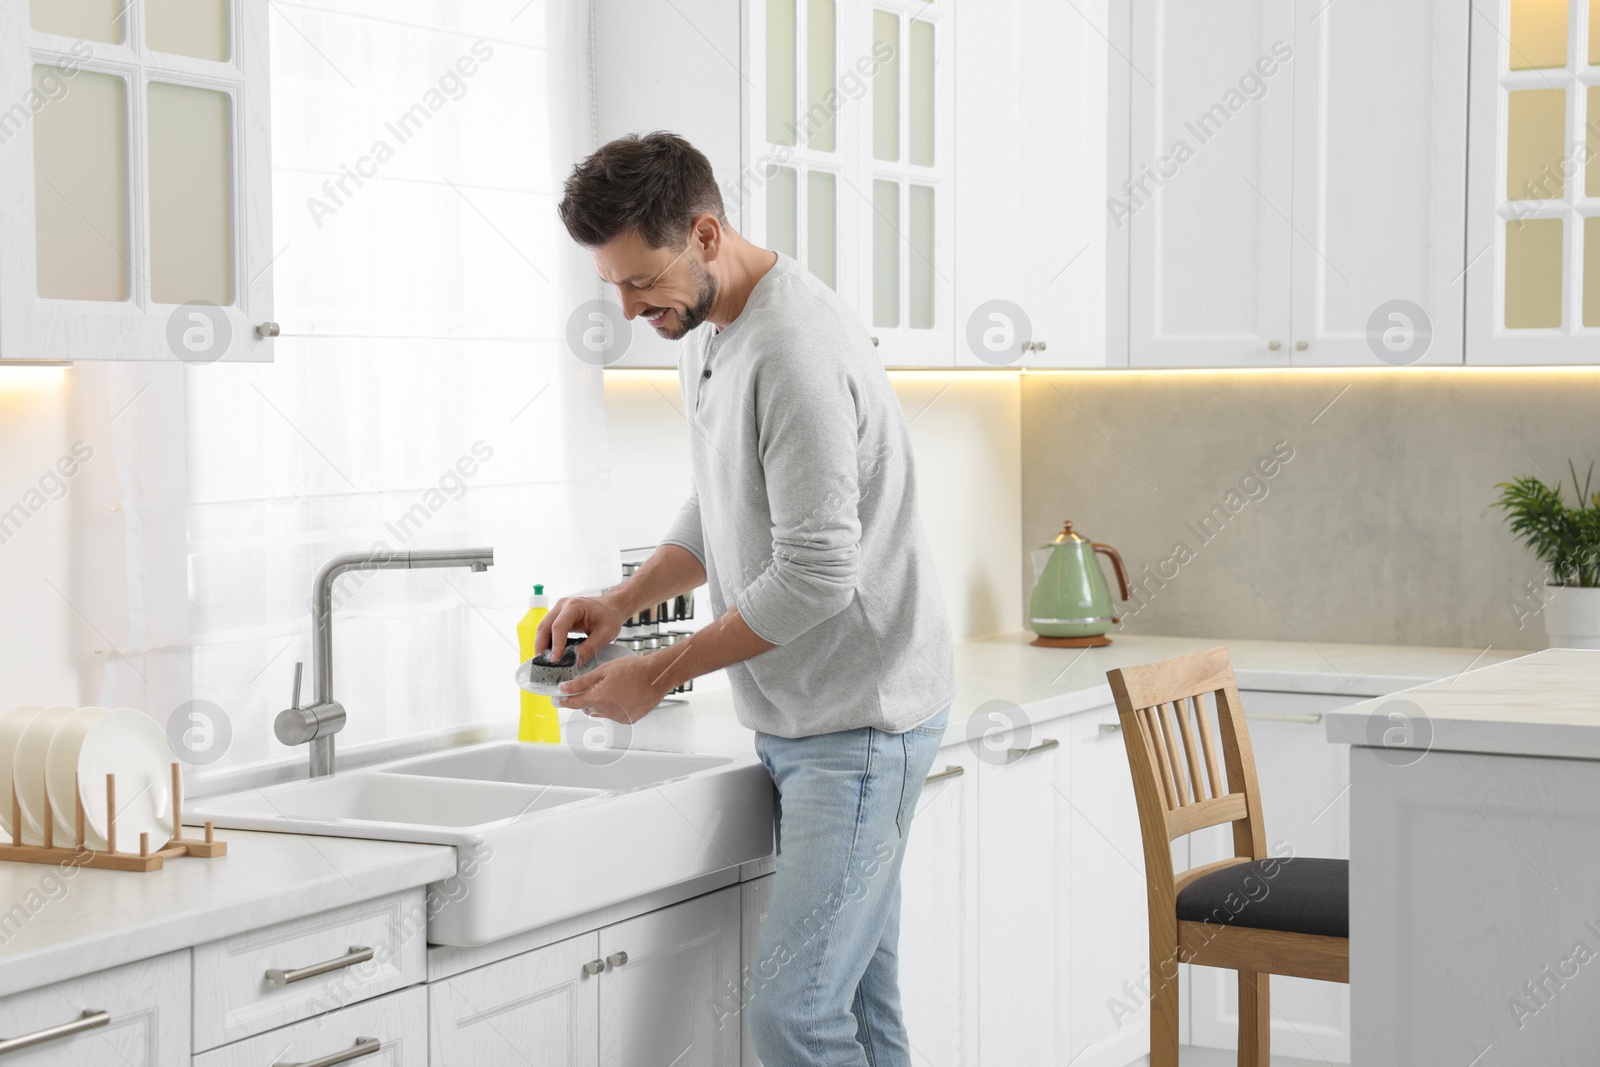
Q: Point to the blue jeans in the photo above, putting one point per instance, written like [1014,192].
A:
[824,990]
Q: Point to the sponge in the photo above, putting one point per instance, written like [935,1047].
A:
[542,670]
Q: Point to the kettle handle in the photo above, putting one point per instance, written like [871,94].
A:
[1116,564]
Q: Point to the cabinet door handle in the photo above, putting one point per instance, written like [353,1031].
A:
[1110,727]
[357,954]
[617,959]
[594,967]
[267,329]
[364,1046]
[1309,720]
[89,1020]
[1273,346]
[951,771]
[1301,346]
[1043,746]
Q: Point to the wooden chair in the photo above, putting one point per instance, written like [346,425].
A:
[1256,913]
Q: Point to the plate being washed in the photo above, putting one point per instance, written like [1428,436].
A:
[610,652]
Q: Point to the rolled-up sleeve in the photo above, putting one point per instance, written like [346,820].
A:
[686,531]
[808,430]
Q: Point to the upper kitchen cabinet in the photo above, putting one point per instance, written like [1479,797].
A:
[1042,277]
[1297,183]
[681,68]
[134,220]
[849,165]
[1533,225]
[830,127]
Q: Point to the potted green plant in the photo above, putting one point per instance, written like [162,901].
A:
[1567,540]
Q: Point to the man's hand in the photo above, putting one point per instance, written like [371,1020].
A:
[624,690]
[598,617]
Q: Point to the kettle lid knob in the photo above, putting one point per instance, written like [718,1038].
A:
[1067,534]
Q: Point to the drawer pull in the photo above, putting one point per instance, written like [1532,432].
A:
[1110,727]
[88,1021]
[594,967]
[357,954]
[1043,746]
[364,1046]
[951,771]
[617,959]
[1309,720]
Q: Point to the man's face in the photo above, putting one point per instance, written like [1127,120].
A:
[672,289]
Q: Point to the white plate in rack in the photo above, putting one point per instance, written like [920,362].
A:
[27,769]
[94,742]
[12,723]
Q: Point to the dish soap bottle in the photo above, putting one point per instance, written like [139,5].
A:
[539,721]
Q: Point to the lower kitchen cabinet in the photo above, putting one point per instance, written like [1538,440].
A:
[145,1006]
[540,1007]
[1024,954]
[397,1024]
[939,915]
[346,955]
[1110,916]
[660,992]
[754,896]
[1305,783]
[643,991]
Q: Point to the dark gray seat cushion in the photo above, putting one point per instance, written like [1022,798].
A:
[1295,895]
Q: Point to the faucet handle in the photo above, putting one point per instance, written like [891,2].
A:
[299,668]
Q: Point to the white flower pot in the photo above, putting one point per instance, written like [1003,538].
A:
[1572,616]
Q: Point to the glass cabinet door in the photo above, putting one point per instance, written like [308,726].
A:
[136,225]
[1534,225]
[906,152]
[800,161]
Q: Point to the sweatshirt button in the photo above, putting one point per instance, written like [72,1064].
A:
[706,373]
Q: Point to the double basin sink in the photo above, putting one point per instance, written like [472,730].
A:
[542,832]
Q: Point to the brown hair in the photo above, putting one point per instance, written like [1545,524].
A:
[655,186]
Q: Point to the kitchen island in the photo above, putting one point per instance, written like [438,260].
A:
[1475,866]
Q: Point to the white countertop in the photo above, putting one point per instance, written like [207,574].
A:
[56,925]
[96,919]
[1051,681]
[1543,704]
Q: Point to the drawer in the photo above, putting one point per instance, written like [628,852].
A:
[276,975]
[397,1024]
[148,1026]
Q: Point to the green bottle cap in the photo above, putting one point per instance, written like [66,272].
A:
[538,589]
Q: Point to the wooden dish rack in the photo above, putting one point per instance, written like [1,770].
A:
[110,859]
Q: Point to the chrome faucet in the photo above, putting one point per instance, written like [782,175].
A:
[316,723]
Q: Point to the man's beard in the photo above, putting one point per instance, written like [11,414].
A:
[705,296]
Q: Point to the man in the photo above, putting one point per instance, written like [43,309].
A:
[803,523]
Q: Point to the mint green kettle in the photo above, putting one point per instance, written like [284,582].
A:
[1071,605]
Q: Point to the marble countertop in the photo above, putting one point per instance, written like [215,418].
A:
[57,924]
[1542,704]
[1049,682]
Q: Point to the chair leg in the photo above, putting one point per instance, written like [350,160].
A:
[1163,1011]
[1255,1020]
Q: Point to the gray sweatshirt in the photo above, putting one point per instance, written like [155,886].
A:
[804,514]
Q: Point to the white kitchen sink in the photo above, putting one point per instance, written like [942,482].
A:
[543,832]
[385,806]
[559,765]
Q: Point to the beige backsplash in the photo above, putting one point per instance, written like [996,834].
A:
[1370,527]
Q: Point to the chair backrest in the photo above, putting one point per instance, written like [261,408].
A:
[1178,782]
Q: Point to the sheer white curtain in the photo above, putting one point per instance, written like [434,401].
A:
[422,396]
